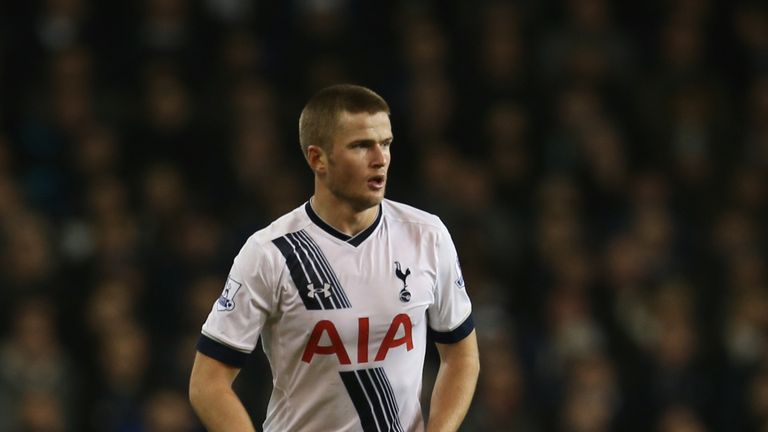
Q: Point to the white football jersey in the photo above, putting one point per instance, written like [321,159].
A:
[343,320]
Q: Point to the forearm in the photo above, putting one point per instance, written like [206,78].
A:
[453,391]
[220,409]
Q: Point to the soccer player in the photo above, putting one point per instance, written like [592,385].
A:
[344,291]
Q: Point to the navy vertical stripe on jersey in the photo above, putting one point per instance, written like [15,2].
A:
[374,399]
[296,268]
[360,400]
[388,392]
[317,271]
[321,266]
[308,266]
[328,272]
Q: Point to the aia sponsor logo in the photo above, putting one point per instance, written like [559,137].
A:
[336,346]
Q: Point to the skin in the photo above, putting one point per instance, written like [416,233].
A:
[455,384]
[213,399]
[350,178]
[350,182]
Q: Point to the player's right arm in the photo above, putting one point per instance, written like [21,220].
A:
[229,335]
[213,399]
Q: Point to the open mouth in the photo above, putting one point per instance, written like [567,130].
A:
[377,182]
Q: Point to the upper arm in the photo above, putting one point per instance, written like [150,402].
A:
[213,398]
[236,319]
[464,351]
[450,318]
[208,372]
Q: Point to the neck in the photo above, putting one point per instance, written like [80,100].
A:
[341,215]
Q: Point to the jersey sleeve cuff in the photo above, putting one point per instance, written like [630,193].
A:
[454,335]
[221,352]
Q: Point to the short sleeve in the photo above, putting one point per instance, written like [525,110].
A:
[450,317]
[234,324]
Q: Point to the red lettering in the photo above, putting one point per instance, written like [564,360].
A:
[389,340]
[336,347]
[363,333]
[362,341]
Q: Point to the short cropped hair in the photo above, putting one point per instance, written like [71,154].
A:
[320,115]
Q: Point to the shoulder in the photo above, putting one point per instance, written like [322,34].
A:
[260,242]
[409,215]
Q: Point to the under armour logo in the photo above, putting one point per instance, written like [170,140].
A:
[325,290]
[405,295]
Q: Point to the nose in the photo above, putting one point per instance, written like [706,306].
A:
[379,156]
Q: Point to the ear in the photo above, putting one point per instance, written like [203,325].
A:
[317,159]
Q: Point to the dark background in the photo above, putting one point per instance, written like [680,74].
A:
[601,166]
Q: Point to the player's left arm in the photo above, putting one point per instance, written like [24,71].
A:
[452,329]
[455,384]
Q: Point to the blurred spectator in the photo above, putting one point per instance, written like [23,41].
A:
[591,399]
[501,394]
[40,411]
[587,48]
[507,132]
[503,55]
[36,375]
[61,23]
[33,271]
[111,306]
[124,361]
[96,154]
[165,25]
[680,419]
[168,411]
[676,350]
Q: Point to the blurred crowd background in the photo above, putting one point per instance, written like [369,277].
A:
[601,165]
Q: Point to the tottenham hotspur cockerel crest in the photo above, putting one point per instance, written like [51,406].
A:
[405,295]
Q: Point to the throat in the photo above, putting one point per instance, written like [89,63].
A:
[345,219]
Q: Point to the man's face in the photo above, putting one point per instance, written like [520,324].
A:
[359,158]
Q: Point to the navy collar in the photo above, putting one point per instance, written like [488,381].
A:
[353,240]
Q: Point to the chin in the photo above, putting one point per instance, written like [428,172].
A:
[366,202]
[359,200]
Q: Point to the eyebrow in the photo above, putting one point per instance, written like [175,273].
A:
[368,141]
